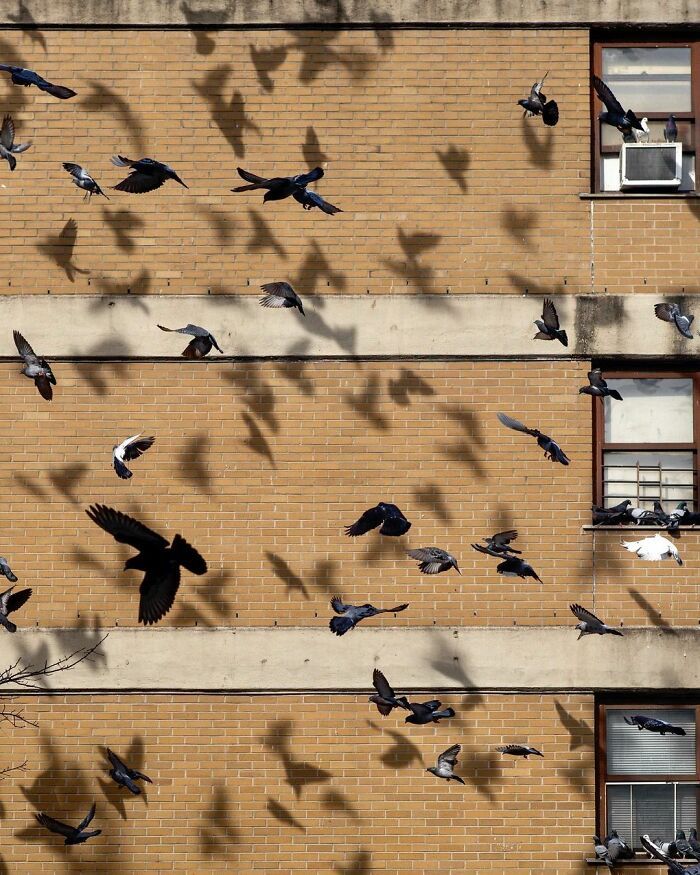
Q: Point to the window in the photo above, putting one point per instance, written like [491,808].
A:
[647,783]
[646,445]
[654,79]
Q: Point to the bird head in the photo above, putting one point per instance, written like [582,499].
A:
[523,103]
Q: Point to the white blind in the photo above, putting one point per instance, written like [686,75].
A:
[631,752]
[655,809]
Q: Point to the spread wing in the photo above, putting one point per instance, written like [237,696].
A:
[612,104]
[381,685]
[369,520]
[338,606]
[585,616]
[549,315]
[140,183]
[55,825]
[114,759]
[395,610]
[23,347]
[510,748]
[74,169]
[305,178]
[88,817]
[137,448]
[194,330]
[252,177]
[7,132]
[121,161]
[17,599]
[158,590]
[125,529]
[666,312]
[502,539]
[509,422]
[449,756]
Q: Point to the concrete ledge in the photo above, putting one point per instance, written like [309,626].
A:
[298,660]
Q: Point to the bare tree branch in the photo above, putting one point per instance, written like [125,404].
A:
[15,716]
[22,767]
[22,673]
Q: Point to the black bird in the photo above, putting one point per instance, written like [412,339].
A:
[598,387]
[388,516]
[672,313]
[7,142]
[160,562]
[684,847]
[671,130]
[589,624]
[519,750]
[202,343]
[674,868]
[281,295]
[694,843]
[83,180]
[552,450]
[433,560]
[653,724]
[278,187]
[121,774]
[498,545]
[352,614]
[146,174]
[6,571]
[537,104]
[620,513]
[131,448]
[385,698]
[615,115]
[513,566]
[10,602]
[616,508]
[74,835]
[37,369]
[427,712]
[310,199]
[548,325]
[446,762]
[20,76]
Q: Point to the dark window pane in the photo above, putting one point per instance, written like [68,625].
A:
[634,752]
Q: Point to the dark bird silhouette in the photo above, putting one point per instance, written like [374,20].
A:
[615,114]
[160,562]
[83,180]
[427,712]
[537,104]
[280,187]
[10,602]
[433,560]
[548,325]
[694,843]
[311,150]
[674,868]
[61,247]
[25,17]
[446,762]
[20,76]
[385,698]
[519,750]
[127,450]
[598,387]
[388,516]
[121,774]
[455,162]
[266,61]
[513,566]
[351,615]
[310,199]
[6,571]
[37,369]
[672,313]
[498,545]
[7,142]
[589,624]
[552,450]
[202,343]
[146,174]
[653,724]
[671,130]
[281,295]
[74,835]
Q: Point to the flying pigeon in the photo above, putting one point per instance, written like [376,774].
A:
[616,116]
[121,774]
[653,724]
[385,698]
[669,849]
[200,346]
[548,325]
[537,104]
[6,571]
[131,448]
[10,602]
[589,624]
[20,76]
[672,313]
[513,566]
[146,174]
[433,560]
[671,130]
[653,549]
[598,386]
[83,180]
[427,712]
[392,521]
[278,187]
[446,762]
[74,835]
[352,614]
[35,368]
[310,199]
[7,142]
[601,852]
[673,867]
[160,562]
[497,545]
[281,295]
[519,750]
[552,450]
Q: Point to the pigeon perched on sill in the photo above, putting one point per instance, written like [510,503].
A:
[498,545]
[127,450]
[202,343]
[74,835]
[22,76]
[684,847]
[589,624]
[598,386]
[653,724]
[351,615]
[513,566]
[385,698]
[548,325]
[618,849]
[83,180]
[672,313]
[537,104]
[601,852]
[433,560]
[281,295]
[121,774]
[671,130]
[446,763]
[552,450]
[519,750]
[37,369]
[674,868]
[388,516]
[146,175]
[653,549]
[615,115]
[427,712]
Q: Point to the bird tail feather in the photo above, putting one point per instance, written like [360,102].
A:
[340,625]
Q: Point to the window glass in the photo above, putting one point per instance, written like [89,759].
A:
[647,476]
[634,752]
[646,79]
[654,411]
[655,809]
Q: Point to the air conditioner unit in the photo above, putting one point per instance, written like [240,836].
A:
[651,165]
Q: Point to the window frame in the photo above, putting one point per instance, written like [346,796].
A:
[689,39]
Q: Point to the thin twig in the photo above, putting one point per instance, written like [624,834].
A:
[21,673]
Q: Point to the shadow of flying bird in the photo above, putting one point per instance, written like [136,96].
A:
[263,237]
[283,571]
[229,116]
[103,98]
[256,440]
[28,22]
[298,773]
[311,149]
[219,831]
[283,815]
[455,162]
[266,61]
[59,249]
[204,44]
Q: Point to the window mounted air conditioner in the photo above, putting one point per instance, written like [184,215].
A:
[651,165]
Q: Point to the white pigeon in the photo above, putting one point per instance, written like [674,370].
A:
[653,549]
[131,448]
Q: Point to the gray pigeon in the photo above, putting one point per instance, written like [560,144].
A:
[351,615]
[537,104]
[552,450]
[281,295]
[684,847]
[617,848]
[601,852]
[35,368]
[590,624]
[427,712]
[83,180]
[671,130]
[673,867]
[201,344]
[519,750]
[74,835]
[653,724]
[694,843]
[549,324]
[123,775]
[446,763]
[10,602]
[672,313]
[598,387]
[498,545]
[6,571]
[7,142]
[385,698]
[433,560]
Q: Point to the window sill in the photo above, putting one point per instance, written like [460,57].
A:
[633,528]
[640,861]
[633,195]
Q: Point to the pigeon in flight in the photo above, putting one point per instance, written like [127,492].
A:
[352,614]
[7,142]
[281,295]
[278,187]
[6,571]
[498,545]
[653,724]
[200,346]
[519,750]
[35,368]
[433,560]
[653,549]
[598,387]
[446,762]
[83,180]
[146,174]
[537,104]
[669,849]
[20,76]
[160,562]
[74,835]
[388,516]
[589,624]
[671,130]
[552,450]
[385,698]
[310,199]
[427,712]
[121,774]
[615,115]
[673,867]
[601,852]
[10,602]
[513,566]
[548,325]
[131,448]
[672,313]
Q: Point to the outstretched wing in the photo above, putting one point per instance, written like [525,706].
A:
[666,312]
[7,132]
[56,826]
[585,616]
[338,605]
[140,183]
[114,759]
[17,599]
[125,529]
[193,330]
[502,539]
[549,315]
[23,347]
[137,448]
[88,817]
[449,756]
[305,178]
[509,422]
[612,104]
[369,520]
[158,590]
[381,685]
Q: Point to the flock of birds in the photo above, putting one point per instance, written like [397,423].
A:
[161,560]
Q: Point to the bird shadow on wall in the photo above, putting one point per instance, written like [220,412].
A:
[129,291]
[321,577]
[117,796]
[29,29]
[318,54]
[283,815]
[227,114]
[256,440]
[192,464]
[64,480]
[262,237]
[199,19]
[455,162]
[60,247]
[336,802]
[255,392]
[295,371]
[267,61]
[361,864]
[402,753]
[123,223]
[463,451]
[483,769]
[220,222]
[311,149]
[580,732]
[654,616]
[367,403]
[219,831]
[520,224]
[298,774]
[15,100]
[412,271]
[431,498]
[101,98]
[540,146]
[284,572]
[94,372]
